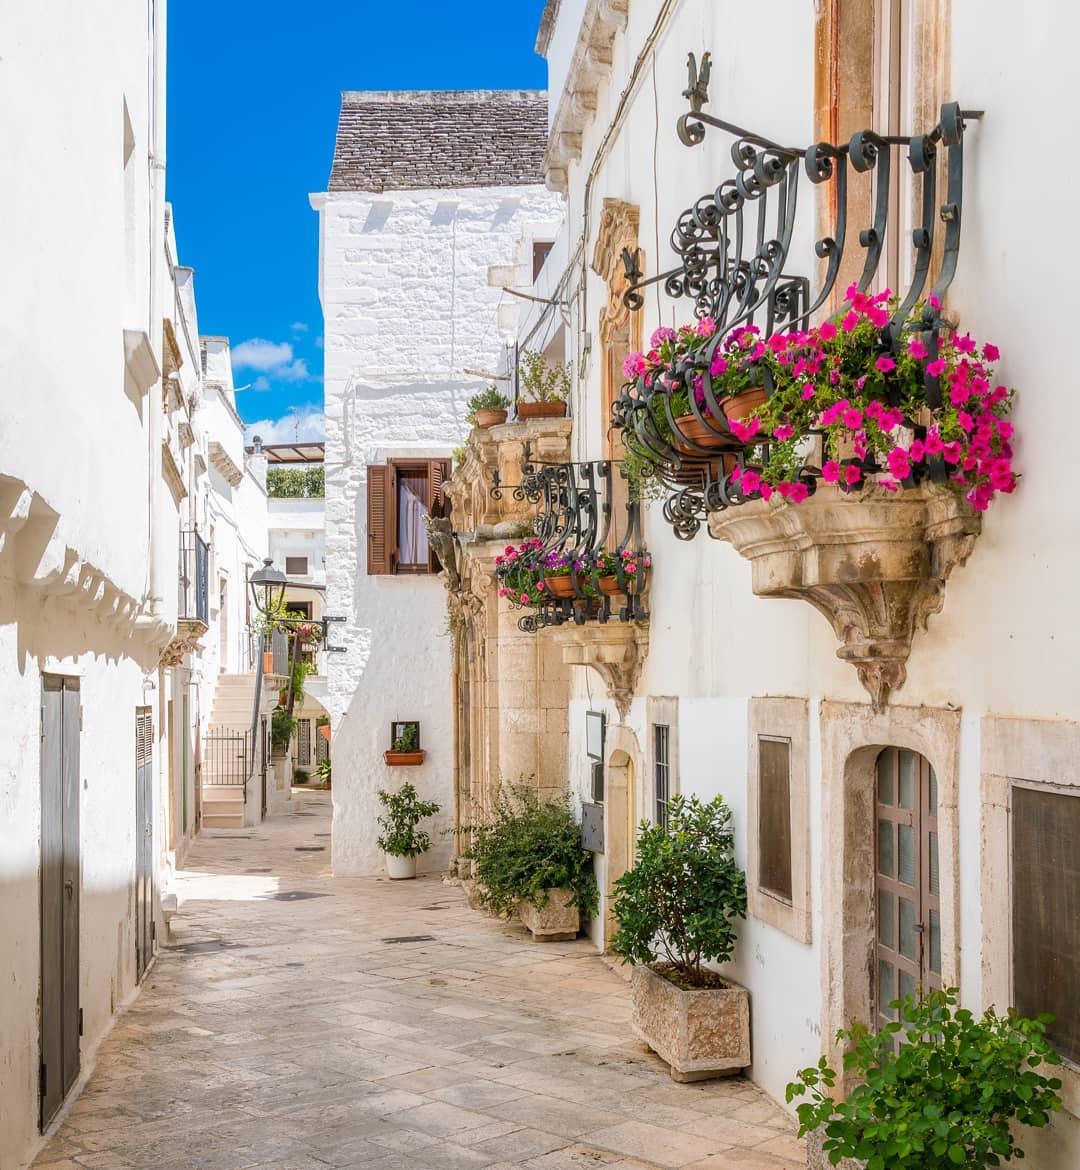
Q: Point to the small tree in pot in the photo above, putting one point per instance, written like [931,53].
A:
[947,1095]
[677,910]
[400,840]
[528,860]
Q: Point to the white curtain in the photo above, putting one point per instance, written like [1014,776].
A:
[412,508]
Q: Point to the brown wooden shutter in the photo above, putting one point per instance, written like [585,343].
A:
[438,472]
[380,532]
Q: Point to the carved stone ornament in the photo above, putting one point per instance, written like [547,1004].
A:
[188,633]
[441,538]
[615,650]
[874,563]
[619,223]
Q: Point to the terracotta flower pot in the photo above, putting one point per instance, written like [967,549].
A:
[324,731]
[700,435]
[541,410]
[560,586]
[404,759]
[610,585]
[268,662]
[690,473]
[741,405]
[490,418]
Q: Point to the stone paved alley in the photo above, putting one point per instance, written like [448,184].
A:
[300,1021]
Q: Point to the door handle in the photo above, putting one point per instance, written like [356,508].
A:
[69,888]
[919,928]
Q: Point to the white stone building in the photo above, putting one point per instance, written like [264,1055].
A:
[989,713]
[427,192]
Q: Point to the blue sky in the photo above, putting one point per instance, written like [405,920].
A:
[252,108]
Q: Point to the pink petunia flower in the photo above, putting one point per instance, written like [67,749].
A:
[744,432]
[898,463]
[830,471]
[706,327]
[853,419]
[916,349]
[850,322]
[783,432]
[664,333]
[852,474]
[799,492]
[991,352]
[751,481]
[633,365]
[885,364]
[827,331]
[807,392]
[936,368]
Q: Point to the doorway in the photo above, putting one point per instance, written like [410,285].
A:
[907,949]
[60,1020]
[144,840]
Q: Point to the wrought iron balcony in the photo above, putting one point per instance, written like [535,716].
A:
[737,265]
[584,515]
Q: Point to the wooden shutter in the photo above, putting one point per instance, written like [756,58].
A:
[438,472]
[379,518]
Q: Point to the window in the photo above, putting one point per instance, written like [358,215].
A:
[662,771]
[303,743]
[296,566]
[598,782]
[400,494]
[541,251]
[774,816]
[1046,911]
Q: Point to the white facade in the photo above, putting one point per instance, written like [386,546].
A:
[410,327]
[992,687]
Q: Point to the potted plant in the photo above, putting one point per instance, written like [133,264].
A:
[300,776]
[561,574]
[938,1086]
[488,408]
[405,750]
[323,770]
[519,573]
[676,910]
[282,729]
[543,388]
[528,860]
[614,569]
[400,839]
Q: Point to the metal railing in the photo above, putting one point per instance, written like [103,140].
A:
[227,757]
[194,599]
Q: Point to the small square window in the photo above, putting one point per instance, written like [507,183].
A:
[296,566]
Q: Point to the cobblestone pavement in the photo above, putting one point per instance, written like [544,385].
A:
[300,1021]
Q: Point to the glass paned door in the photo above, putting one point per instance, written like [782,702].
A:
[908,948]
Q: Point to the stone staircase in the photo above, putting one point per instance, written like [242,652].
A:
[223,802]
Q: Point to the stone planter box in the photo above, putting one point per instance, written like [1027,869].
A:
[700,1034]
[817,1159]
[555,921]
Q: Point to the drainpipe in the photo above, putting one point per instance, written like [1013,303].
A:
[156,160]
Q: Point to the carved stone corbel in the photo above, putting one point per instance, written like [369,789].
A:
[874,563]
[615,650]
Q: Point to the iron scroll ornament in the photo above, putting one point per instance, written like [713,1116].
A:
[578,515]
[734,247]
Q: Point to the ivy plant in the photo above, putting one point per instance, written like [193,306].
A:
[938,1087]
[404,811]
[679,904]
[528,847]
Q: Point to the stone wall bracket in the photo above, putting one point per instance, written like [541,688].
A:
[873,562]
[616,651]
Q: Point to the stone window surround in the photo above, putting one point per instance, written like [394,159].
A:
[664,710]
[781,718]
[1041,754]
[852,735]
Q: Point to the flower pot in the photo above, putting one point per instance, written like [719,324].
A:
[268,662]
[700,1034]
[404,759]
[560,586]
[609,585]
[400,868]
[741,405]
[699,434]
[555,921]
[490,418]
[324,731]
[527,410]
[693,471]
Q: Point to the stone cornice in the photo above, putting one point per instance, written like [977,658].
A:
[590,67]
[615,650]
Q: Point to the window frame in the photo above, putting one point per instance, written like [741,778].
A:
[786,719]
[305,572]
[662,711]
[436,503]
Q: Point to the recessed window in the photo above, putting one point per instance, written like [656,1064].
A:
[296,566]
[541,251]
[401,494]
[1046,911]
[774,816]
[661,772]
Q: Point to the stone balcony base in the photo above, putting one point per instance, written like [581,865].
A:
[873,562]
[615,650]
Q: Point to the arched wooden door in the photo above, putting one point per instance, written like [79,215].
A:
[907,952]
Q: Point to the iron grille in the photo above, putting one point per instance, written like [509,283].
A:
[227,756]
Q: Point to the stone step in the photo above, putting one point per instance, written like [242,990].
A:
[215,820]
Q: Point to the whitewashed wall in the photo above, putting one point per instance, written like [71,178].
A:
[403,279]
[1006,642]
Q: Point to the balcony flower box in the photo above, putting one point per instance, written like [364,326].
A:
[404,759]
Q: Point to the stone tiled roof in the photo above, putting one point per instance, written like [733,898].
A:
[413,140]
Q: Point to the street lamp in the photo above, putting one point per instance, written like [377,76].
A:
[268,588]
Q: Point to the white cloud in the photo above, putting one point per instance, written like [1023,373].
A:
[261,384]
[298,327]
[319,342]
[302,423]
[272,358]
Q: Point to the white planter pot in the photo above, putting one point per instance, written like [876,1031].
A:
[399,868]
[700,1034]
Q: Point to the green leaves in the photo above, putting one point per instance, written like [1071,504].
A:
[682,898]
[939,1087]
[404,811]
[531,846]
